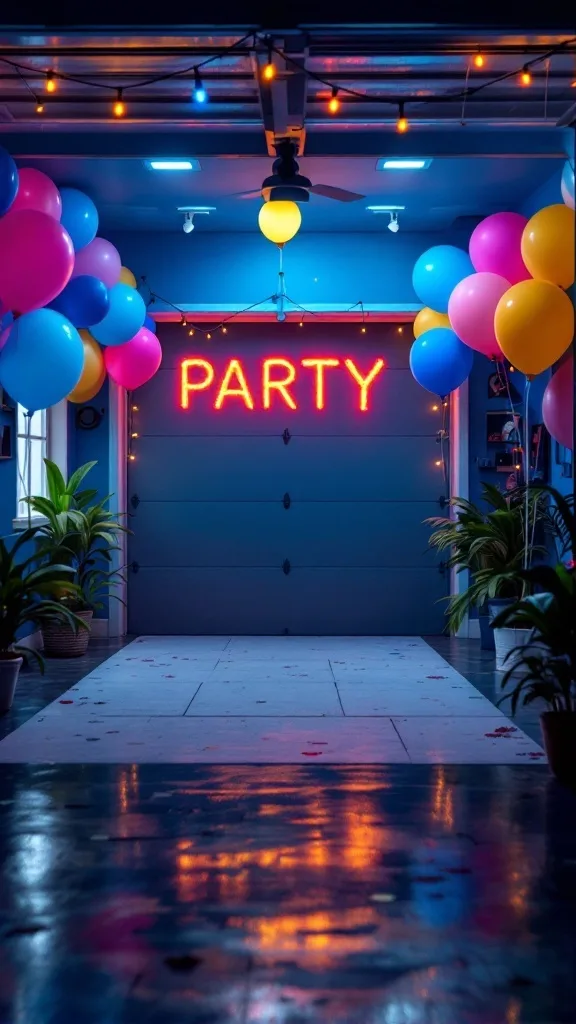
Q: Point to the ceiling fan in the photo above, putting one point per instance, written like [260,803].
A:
[286,183]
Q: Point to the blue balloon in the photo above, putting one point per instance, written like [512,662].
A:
[124,318]
[568,184]
[8,180]
[6,321]
[79,217]
[84,301]
[439,361]
[42,361]
[437,272]
[150,324]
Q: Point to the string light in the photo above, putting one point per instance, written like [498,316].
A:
[200,94]
[191,332]
[400,330]
[402,121]
[39,107]
[183,321]
[134,408]
[132,457]
[363,329]
[525,77]
[135,435]
[435,408]
[301,324]
[224,330]
[119,108]
[51,85]
[269,71]
[334,103]
[438,462]
[209,336]
[479,60]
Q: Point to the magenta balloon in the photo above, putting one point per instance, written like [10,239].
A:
[36,191]
[471,309]
[37,260]
[558,404]
[136,362]
[495,246]
[99,259]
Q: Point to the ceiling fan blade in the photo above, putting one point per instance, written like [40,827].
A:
[331,192]
[245,195]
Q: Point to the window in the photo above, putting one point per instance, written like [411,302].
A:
[31,469]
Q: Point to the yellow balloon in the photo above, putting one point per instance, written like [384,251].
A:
[534,324]
[279,220]
[94,372]
[427,319]
[548,245]
[127,277]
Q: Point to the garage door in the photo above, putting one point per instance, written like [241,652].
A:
[280,480]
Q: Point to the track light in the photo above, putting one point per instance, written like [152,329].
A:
[188,224]
[334,104]
[393,225]
[200,94]
[525,77]
[51,85]
[402,121]
[269,71]
[119,108]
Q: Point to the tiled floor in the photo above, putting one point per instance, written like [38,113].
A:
[292,700]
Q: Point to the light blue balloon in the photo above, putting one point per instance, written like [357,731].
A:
[439,361]
[79,217]
[437,272]
[42,361]
[568,184]
[124,318]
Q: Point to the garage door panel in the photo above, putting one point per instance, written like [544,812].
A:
[200,601]
[310,469]
[265,533]
[365,601]
[396,405]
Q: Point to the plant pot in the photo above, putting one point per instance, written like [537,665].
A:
[559,734]
[504,641]
[9,672]
[60,641]
[486,633]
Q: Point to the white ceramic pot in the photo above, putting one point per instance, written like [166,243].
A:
[505,640]
[9,672]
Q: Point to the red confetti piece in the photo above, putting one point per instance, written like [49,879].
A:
[311,753]
[505,728]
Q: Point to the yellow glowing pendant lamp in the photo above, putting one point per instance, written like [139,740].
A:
[279,220]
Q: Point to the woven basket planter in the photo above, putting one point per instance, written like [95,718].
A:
[61,641]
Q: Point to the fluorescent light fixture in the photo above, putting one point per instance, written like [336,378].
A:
[402,163]
[196,209]
[384,209]
[174,165]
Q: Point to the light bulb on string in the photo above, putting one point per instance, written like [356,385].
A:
[224,330]
[479,60]
[334,103]
[39,107]
[402,120]
[119,108]
[51,84]
[209,336]
[183,321]
[134,408]
[269,71]
[525,77]
[363,329]
[191,332]
[200,94]
[435,408]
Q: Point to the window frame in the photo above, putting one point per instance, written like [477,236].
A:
[55,448]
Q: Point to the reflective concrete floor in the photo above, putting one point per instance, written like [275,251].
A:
[285,894]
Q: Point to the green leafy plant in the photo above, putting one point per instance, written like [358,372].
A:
[489,544]
[28,593]
[80,535]
[545,669]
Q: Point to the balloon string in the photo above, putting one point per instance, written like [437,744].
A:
[28,464]
[526,472]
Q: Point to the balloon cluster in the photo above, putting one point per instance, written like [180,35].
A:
[506,298]
[63,294]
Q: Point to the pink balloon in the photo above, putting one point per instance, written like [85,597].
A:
[471,309]
[558,404]
[136,362]
[495,246]
[37,260]
[36,191]
[99,259]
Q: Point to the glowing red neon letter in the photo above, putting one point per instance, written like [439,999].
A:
[234,369]
[278,385]
[364,382]
[320,364]
[186,387]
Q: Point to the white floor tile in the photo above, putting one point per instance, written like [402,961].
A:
[275,673]
[152,671]
[485,740]
[257,697]
[409,698]
[121,699]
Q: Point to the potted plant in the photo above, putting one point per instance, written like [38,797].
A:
[491,546]
[83,536]
[545,670]
[27,597]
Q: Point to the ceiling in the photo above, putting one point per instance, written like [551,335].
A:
[130,196]
[492,141]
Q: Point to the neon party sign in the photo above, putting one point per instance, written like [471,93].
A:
[273,384]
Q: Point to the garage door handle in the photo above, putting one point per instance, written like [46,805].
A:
[286,567]
[286,435]
[286,500]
